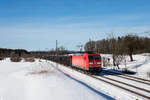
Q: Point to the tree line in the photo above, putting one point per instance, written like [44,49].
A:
[4,52]
[124,45]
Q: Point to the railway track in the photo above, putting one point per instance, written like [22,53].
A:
[128,76]
[109,81]
[145,90]
[121,87]
[141,92]
[136,79]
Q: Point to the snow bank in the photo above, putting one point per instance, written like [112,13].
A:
[140,65]
[39,81]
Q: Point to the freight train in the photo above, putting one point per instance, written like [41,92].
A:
[89,62]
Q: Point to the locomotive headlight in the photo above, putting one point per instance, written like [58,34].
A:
[90,63]
[98,62]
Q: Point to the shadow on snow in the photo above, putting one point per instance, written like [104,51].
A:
[106,72]
[89,87]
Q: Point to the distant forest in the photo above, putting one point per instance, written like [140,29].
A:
[125,45]
[4,52]
[130,42]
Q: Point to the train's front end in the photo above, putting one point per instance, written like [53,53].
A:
[94,63]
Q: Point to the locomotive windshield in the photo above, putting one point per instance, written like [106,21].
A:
[94,58]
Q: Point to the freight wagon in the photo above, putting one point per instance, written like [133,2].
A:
[89,62]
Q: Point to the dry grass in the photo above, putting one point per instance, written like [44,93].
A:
[15,59]
[148,74]
[105,62]
[41,72]
[1,58]
[127,71]
[29,59]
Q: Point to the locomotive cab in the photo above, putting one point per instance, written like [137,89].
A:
[94,62]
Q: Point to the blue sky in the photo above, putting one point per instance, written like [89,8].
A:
[37,24]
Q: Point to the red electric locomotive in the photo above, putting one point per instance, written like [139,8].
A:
[88,62]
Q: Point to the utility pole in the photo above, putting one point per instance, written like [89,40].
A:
[56,47]
[56,53]
[80,46]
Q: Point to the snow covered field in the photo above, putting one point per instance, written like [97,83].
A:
[41,81]
[140,65]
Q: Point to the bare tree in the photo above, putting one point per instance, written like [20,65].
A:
[120,47]
[90,46]
[61,50]
[103,46]
[131,43]
[116,47]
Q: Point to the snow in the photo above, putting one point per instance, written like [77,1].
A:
[39,80]
[108,89]
[140,65]
[140,85]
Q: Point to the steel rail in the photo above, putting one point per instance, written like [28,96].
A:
[127,77]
